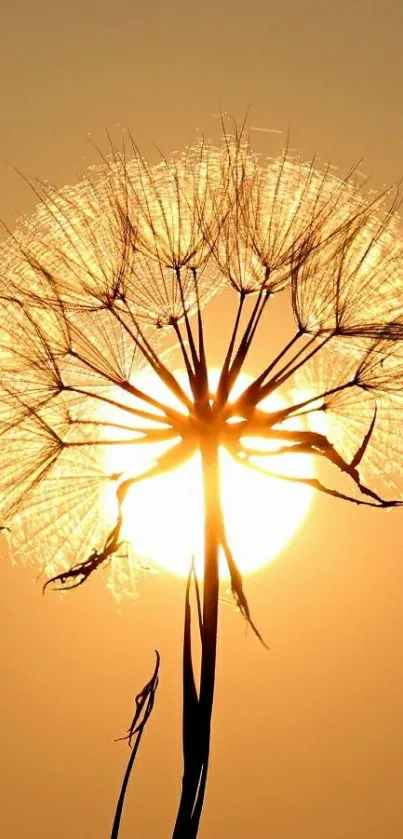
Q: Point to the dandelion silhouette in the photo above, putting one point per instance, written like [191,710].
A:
[105,278]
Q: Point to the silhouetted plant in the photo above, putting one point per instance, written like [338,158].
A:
[106,278]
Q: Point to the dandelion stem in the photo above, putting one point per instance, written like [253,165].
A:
[198,739]
[212,518]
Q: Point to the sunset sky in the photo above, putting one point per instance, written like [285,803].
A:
[307,738]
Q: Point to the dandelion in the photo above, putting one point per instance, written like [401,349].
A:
[109,278]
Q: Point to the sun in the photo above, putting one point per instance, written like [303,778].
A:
[163,517]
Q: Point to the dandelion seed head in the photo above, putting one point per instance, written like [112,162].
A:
[97,285]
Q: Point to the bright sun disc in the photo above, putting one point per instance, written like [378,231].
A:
[163,517]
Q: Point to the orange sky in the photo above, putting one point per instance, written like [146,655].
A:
[308,738]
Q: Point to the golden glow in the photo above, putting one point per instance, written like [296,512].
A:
[163,517]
